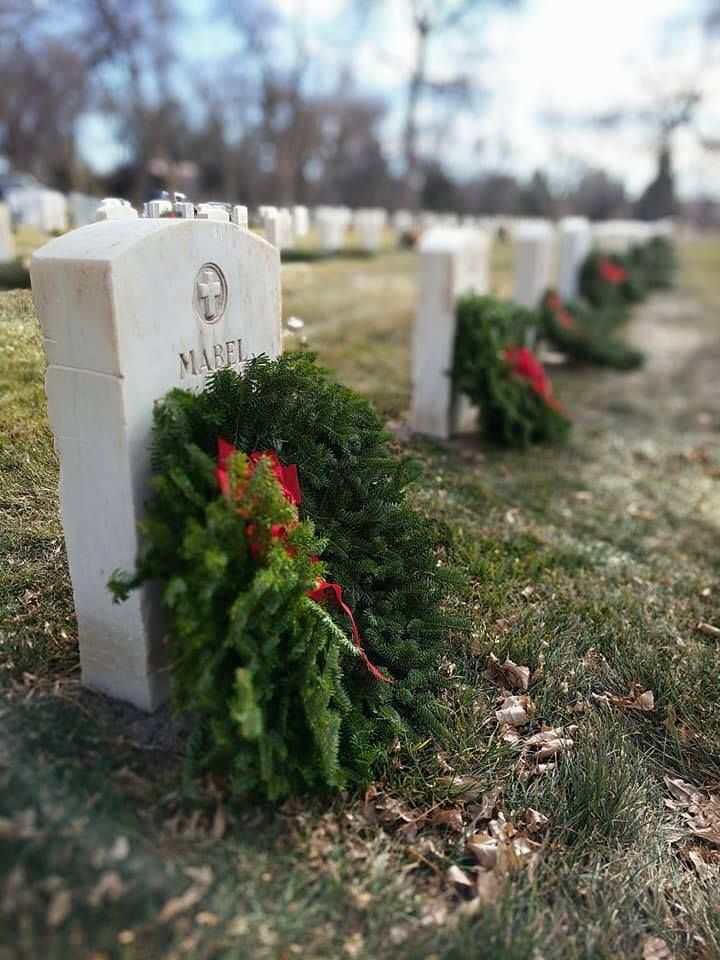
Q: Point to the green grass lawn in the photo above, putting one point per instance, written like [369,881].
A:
[591,565]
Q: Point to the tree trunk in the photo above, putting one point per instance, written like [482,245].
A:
[417,81]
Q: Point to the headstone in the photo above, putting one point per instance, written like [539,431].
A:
[158,208]
[39,207]
[574,245]
[533,260]
[452,261]
[369,225]
[7,241]
[213,211]
[113,209]
[239,216]
[278,227]
[332,223]
[300,221]
[617,236]
[184,209]
[82,208]
[403,221]
[130,309]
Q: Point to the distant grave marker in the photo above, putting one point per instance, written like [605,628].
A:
[533,261]
[452,261]
[130,309]
[7,241]
[575,240]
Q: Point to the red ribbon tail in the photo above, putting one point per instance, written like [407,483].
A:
[336,589]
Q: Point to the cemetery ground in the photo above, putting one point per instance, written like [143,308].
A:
[592,565]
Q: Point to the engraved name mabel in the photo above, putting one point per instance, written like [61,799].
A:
[196,363]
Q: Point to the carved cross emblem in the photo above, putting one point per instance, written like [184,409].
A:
[210,293]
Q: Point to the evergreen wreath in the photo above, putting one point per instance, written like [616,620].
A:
[656,262]
[584,333]
[389,559]
[605,281]
[503,378]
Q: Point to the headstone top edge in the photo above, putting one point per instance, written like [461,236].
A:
[108,239]
[450,239]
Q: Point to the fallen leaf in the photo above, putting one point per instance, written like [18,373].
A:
[656,949]
[463,788]
[637,699]
[59,907]
[485,809]
[515,710]
[545,736]
[553,748]
[202,877]
[706,820]
[109,887]
[684,793]
[449,818]
[487,885]
[508,674]
[120,849]
[535,821]
[458,877]
[483,848]
[708,629]
[206,919]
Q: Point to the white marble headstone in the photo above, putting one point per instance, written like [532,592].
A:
[574,245]
[300,221]
[533,261]
[7,241]
[452,261]
[130,309]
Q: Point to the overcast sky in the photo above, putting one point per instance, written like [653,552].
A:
[569,58]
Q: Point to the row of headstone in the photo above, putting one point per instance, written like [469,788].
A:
[36,206]
[455,260]
[132,306]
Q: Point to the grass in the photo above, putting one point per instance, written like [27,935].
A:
[591,564]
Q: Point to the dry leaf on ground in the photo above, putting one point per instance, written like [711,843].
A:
[656,949]
[699,809]
[458,877]
[637,699]
[59,907]
[508,674]
[515,710]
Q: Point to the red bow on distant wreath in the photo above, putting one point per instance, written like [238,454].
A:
[288,479]
[563,316]
[525,364]
[611,272]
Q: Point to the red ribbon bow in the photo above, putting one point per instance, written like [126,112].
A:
[611,272]
[288,479]
[525,364]
[563,316]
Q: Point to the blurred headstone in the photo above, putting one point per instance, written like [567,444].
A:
[301,221]
[452,261]
[574,245]
[7,242]
[113,208]
[533,260]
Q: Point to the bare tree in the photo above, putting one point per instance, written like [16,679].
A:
[430,20]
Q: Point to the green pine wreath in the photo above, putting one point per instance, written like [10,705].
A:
[501,377]
[585,333]
[391,562]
